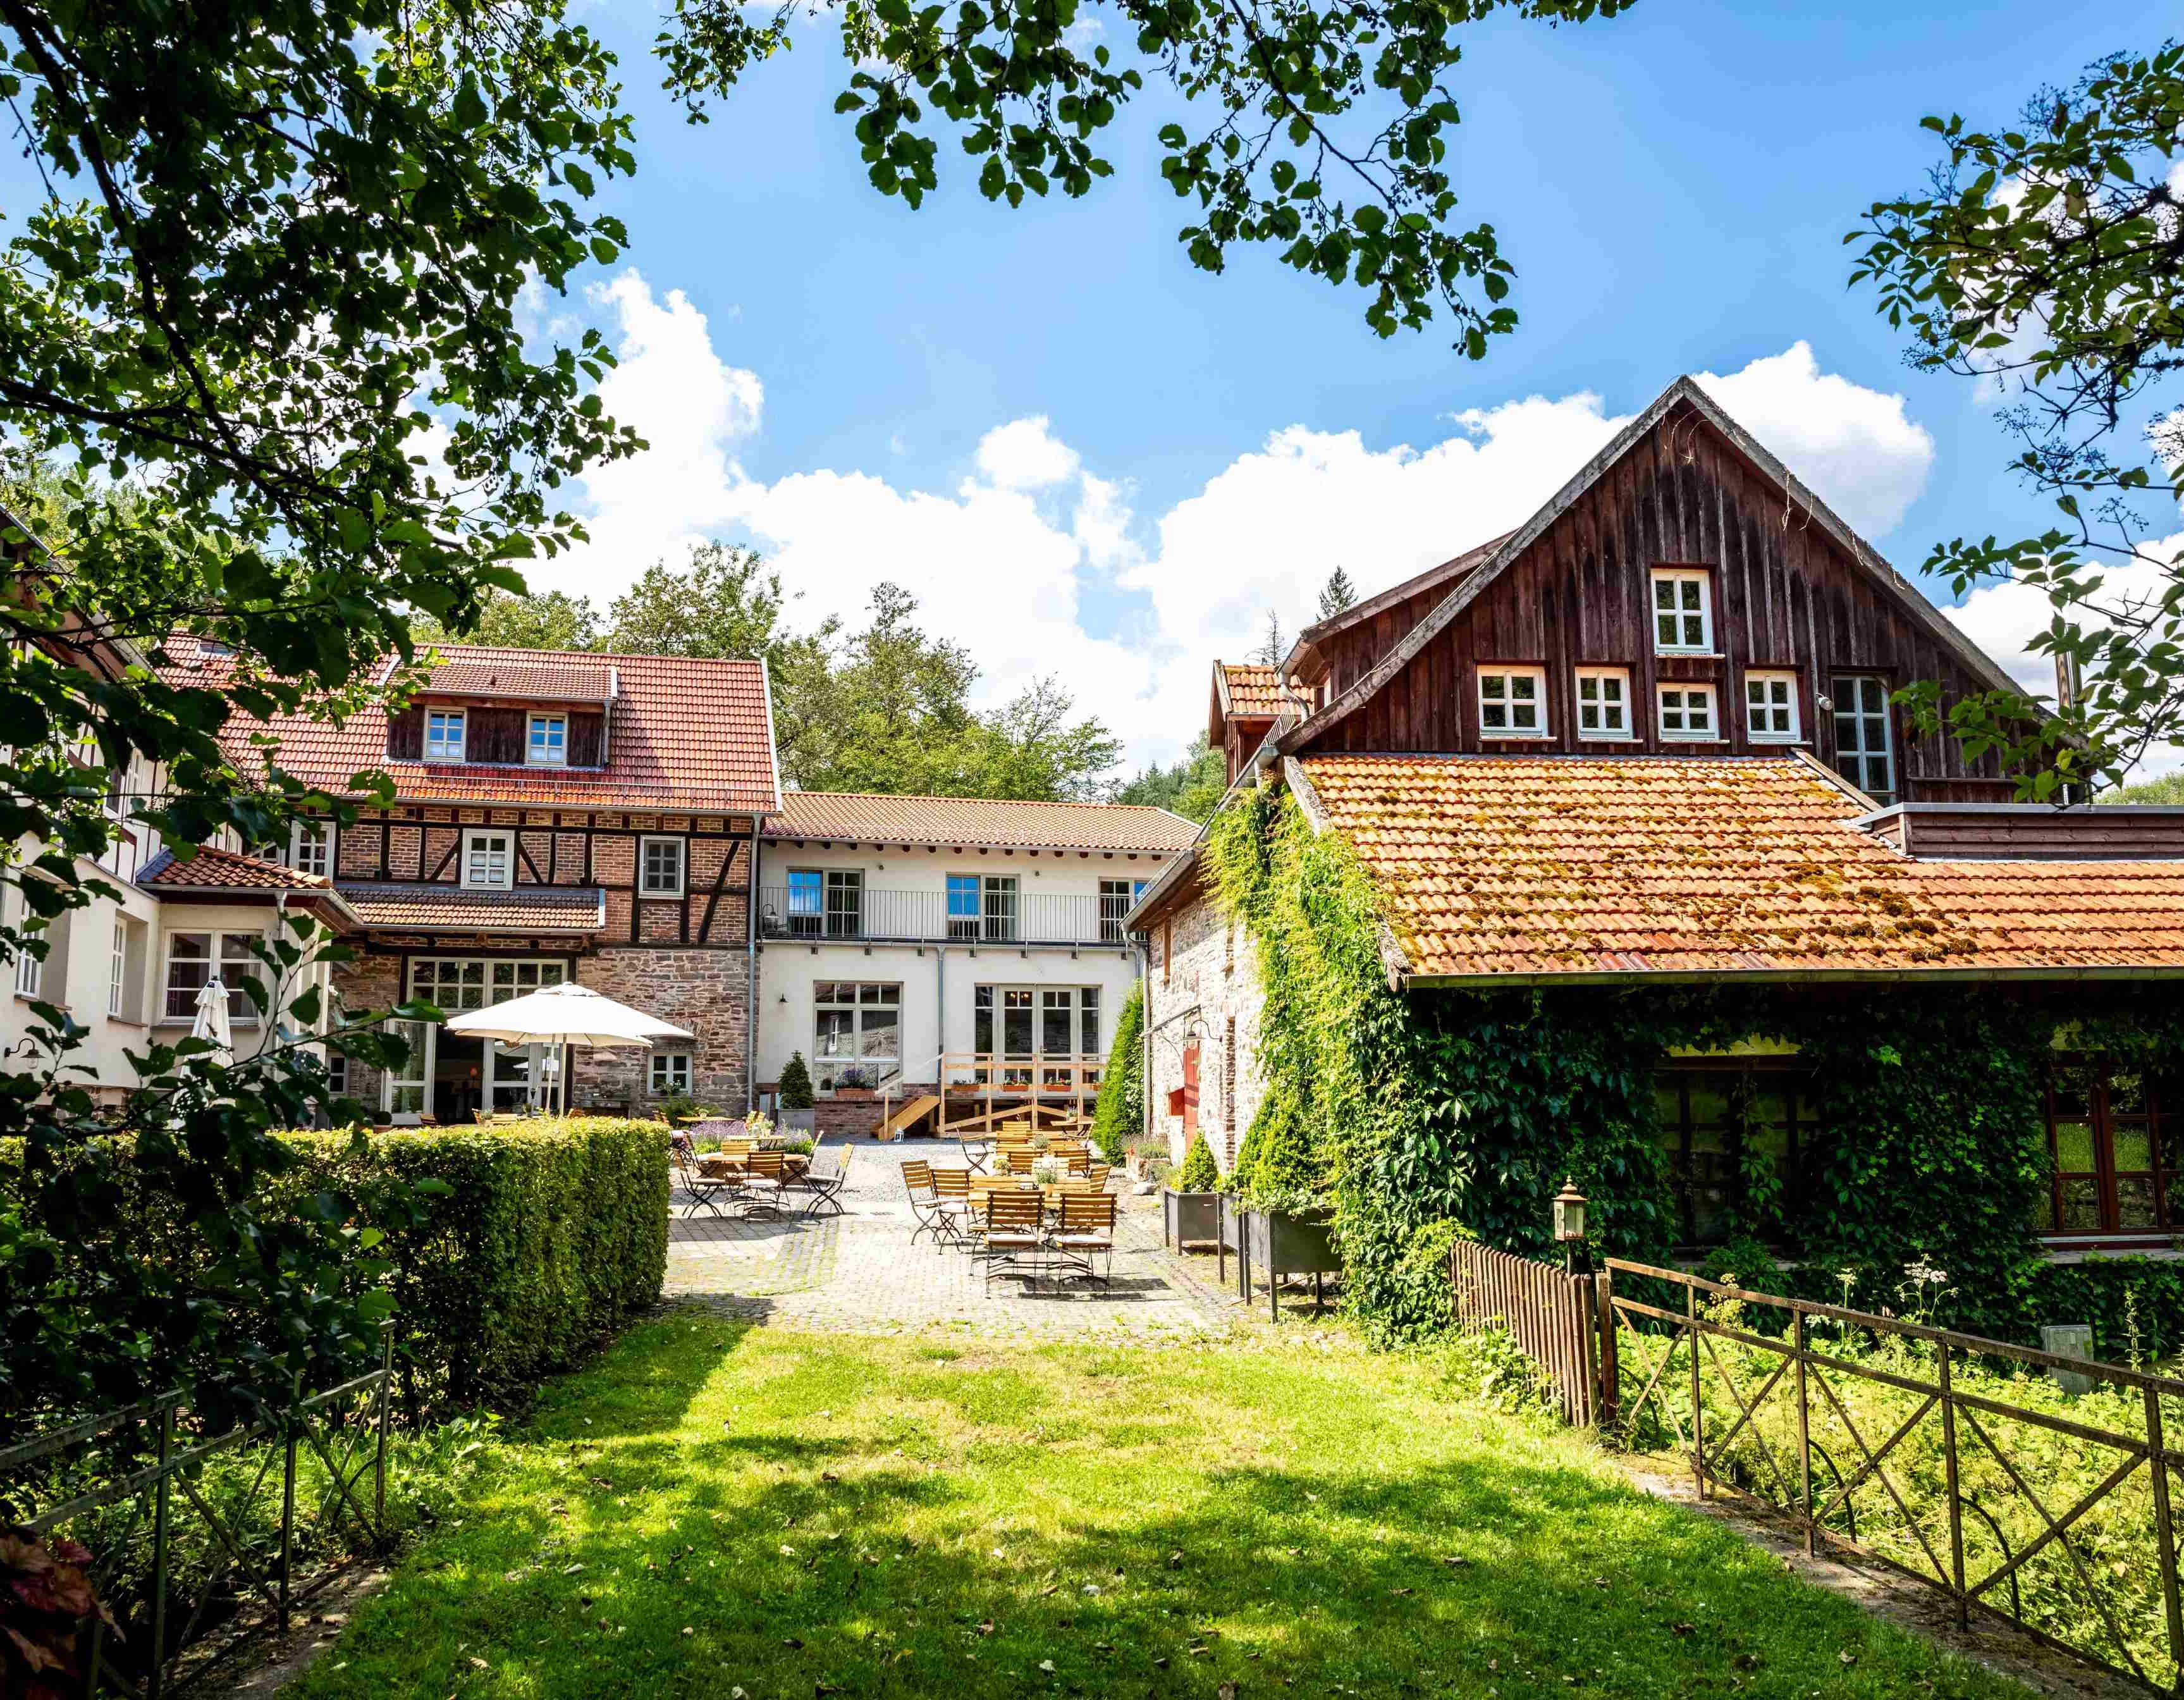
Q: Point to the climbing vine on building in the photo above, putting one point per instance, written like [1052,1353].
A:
[1414,1116]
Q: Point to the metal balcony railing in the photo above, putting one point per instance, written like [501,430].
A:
[865,915]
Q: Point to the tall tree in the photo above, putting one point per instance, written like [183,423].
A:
[2044,261]
[1192,787]
[1337,594]
[723,601]
[1273,647]
[549,619]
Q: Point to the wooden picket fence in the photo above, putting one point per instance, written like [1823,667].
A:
[1554,1317]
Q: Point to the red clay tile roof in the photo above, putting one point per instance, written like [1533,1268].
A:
[543,681]
[215,869]
[867,818]
[1658,865]
[446,908]
[684,732]
[1255,691]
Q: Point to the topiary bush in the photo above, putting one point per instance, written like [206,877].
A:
[1120,1113]
[795,1083]
[1199,1172]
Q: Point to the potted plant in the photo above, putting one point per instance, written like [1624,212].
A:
[1287,1225]
[1048,1171]
[853,1082]
[793,1089]
[1190,1207]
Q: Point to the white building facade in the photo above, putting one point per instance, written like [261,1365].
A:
[912,943]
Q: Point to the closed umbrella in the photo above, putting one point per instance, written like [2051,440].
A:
[210,1021]
[566,1015]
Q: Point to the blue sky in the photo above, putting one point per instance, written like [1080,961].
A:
[1089,459]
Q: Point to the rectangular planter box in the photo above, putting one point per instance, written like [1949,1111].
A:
[797,1120]
[1278,1244]
[1189,1219]
[1229,1236]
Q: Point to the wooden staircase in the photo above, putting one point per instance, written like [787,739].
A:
[896,1125]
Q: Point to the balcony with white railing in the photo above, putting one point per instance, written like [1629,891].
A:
[863,916]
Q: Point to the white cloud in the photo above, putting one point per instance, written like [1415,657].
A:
[1024,454]
[1856,447]
[1002,562]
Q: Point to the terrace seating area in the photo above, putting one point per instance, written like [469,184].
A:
[1043,1214]
[723,1171]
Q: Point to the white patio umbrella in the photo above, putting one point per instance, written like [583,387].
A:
[566,1015]
[210,1021]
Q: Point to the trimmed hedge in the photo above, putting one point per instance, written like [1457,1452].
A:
[548,1235]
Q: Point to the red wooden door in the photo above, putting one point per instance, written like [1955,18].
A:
[1189,1089]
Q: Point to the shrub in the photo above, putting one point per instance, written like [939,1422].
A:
[509,1249]
[1120,1113]
[795,1085]
[538,1239]
[1199,1173]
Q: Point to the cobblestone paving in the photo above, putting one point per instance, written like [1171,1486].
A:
[859,1271]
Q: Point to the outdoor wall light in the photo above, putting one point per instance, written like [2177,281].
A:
[1570,1222]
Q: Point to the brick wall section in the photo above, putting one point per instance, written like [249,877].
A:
[707,991]
[370,982]
[1214,981]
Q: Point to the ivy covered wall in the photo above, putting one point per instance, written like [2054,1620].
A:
[1416,1116]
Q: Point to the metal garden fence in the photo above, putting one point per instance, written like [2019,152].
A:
[249,1555]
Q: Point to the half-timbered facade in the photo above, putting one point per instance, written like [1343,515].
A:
[1651,738]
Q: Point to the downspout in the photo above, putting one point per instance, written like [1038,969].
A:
[939,1020]
[752,1005]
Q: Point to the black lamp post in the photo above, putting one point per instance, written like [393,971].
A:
[1569,1222]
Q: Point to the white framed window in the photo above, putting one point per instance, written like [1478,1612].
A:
[856,1034]
[192,959]
[660,867]
[1687,713]
[1512,702]
[671,1074]
[311,847]
[1603,702]
[444,734]
[1770,707]
[1683,611]
[117,968]
[489,860]
[337,1074]
[1865,754]
[30,974]
[548,745]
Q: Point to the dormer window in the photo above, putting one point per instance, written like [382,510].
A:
[548,745]
[444,734]
[1683,611]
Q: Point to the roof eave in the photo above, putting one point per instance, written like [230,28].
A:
[1656,977]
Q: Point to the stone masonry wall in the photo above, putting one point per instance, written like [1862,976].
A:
[707,991]
[1209,992]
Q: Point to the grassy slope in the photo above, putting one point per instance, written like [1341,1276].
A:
[791,1514]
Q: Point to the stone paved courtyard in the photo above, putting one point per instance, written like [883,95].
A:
[859,1273]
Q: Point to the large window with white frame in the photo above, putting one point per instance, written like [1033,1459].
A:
[1683,611]
[503,1077]
[1512,702]
[117,968]
[856,1038]
[489,859]
[660,867]
[194,959]
[444,733]
[548,743]
[1864,750]
[1686,714]
[670,1073]
[1603,702]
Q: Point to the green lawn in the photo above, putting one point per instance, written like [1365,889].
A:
[714,1508]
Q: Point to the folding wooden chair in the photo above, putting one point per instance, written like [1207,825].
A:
[924,1200]
[703,1189]
[1016,1235]
[1087,1232]
[953,1186]
[763,1178]
[825,1184]
[1020,1161]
